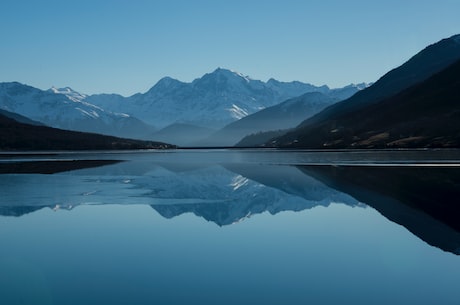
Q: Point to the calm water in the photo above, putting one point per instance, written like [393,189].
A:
[230,227]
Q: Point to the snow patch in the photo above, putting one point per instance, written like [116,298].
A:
[71,94]
[245,77]
[91,114]
[122,115]
[237,112]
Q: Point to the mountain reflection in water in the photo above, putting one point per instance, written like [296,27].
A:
[227,190]
[423,199]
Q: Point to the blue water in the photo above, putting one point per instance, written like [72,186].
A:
[210,228]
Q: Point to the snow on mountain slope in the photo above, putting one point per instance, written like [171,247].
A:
[70,93]
[67,109]
[214,100]
[285,115]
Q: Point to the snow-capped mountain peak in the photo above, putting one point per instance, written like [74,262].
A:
[227,81]
[359,86]
[231,74]
[70,93]
[222,77]
[213,100]
[67,109]
[245,77]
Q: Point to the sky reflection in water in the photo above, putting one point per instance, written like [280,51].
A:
[133,237]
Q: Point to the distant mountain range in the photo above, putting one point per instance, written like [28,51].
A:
[185,112]
[414,105]
[191,113]
[213,101]
[284,115]
[67,109]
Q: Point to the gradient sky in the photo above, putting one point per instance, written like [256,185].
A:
[125,47]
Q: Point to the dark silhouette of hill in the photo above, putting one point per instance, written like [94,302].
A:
[20,136]
[402,109]
[20,118]
[261,138]
[50,167]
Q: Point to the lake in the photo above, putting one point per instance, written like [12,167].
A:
[230,227]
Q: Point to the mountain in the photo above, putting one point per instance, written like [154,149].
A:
[285,115]
[347,91]
[425,115]
[68,109]
[326,128]
[213,101]
[261,139]
[19,136]
[207,103]
[19,118]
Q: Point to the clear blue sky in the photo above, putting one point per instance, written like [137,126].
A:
[125,47]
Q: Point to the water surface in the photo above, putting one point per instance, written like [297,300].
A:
[231,227]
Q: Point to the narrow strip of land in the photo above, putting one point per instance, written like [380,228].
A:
[50,167]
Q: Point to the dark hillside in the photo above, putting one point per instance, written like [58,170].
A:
[424,64]
[19,136]
[424,115]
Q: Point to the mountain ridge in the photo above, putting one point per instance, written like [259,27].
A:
[209,102]
[15,135]
[66,109]
[327,129]
[213,100]
[285,115]
[419,67]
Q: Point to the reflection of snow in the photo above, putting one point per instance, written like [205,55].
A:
[174,184]
[243,218]
[61,207]
[89,193]
[239,181]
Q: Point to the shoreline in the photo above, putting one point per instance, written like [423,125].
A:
[50,167]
